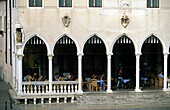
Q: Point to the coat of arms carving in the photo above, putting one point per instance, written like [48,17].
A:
[66,20]
[125,21]
[125,3]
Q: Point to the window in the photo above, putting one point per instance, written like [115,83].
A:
[95,3]
[152,3]
[35,3]
[14,4]
[65,3]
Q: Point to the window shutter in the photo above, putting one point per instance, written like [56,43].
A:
[38,3]
[68,2]
[61,3]
[31,3]
[91,3]
[98,3]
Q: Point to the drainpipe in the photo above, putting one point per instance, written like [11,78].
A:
[6,30]
[10,12]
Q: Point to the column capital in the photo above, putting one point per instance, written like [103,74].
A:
[50,56]
[20,56]
[109,54]
[80,54]
[138,54]
[166,54]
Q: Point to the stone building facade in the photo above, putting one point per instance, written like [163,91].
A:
[79,25]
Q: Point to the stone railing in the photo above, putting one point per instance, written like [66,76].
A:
[65,87]
[35,87]
[42,87]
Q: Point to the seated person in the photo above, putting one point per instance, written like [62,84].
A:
[65,75]
[68,78]
[56,77]
[103,78]
[34,78]
[93,76]
[161,74]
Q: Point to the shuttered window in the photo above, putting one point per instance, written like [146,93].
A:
[152,3]
[65,3]
[95,3]
[35,3]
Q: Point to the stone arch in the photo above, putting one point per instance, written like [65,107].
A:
[104,41]
[74,40]
[128,36]
[164,50]
[39,36]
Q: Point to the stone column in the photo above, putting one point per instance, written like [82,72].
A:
[80,73]
[50,58]
[137,72]
[19,68]
[109,73]
[165,70]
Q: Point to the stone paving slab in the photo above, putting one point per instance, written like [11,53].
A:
[5,97]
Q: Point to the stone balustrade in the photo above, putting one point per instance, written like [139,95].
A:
[42,87]
[35,87]
[65,87]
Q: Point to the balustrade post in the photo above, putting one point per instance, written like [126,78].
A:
[65,88]
[61,88]
[35,89]
[72,88]
[39,89]
[49,100]
[54,89]
[76,88]
[58,88]
[28,89]
[72,99]
[24,89]
[42,100]
[57,99]
[25,101]
[34,100]
[31,89]
[69,88]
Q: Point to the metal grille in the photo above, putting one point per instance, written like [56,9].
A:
[152,40]
[65,40]
[124,40]
[94,40]
[35,40]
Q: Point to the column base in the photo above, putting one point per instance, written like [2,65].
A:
[138,90]
[109,91]
[20,93]
[165,89]
[80,92]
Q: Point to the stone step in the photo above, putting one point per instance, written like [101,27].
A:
[143,98]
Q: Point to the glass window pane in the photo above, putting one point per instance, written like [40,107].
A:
[61,3]
[149,3]
[155,4]
[38,3]
[31,3]
[91,3]
[98,3]
[68,2]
